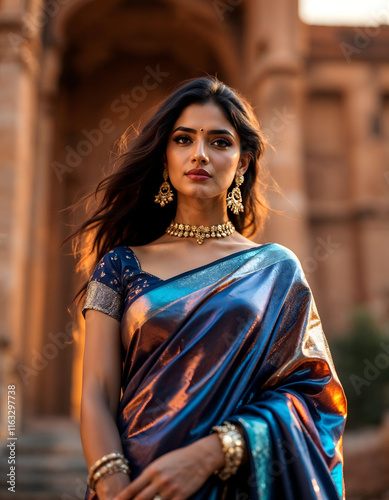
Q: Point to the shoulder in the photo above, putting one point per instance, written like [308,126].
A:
[282,254]
[112,264]
[284,259]
[288,272]
[118,255]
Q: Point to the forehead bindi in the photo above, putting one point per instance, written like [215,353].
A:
[219,131]
[204,119]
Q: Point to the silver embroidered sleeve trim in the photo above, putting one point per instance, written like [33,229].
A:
[102,298]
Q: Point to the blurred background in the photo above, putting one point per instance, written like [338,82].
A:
[74,74]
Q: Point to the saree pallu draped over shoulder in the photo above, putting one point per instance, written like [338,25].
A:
[239,339]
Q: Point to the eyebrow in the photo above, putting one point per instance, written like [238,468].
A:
[213,132]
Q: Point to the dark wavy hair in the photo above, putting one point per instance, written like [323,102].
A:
[127,214]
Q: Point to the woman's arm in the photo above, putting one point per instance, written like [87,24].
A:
[100,397]
[181,472]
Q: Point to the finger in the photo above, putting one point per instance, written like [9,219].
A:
[149,493]
[134,488]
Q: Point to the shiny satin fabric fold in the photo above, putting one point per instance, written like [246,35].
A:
[237,340]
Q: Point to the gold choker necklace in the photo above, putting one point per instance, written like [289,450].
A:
[200,232]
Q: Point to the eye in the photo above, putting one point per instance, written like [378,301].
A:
[222,142]
[179,138]
[185,139]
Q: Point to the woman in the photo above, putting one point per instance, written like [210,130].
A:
[206,371]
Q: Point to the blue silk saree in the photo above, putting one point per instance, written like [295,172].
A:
[238,339]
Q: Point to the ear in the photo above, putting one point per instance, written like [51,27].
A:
[244,163]
[164,160]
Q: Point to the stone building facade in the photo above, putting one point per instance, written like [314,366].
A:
[74,74]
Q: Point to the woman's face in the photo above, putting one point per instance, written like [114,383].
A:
[202,137]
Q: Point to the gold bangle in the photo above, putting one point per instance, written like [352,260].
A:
[113,463]
[104,459]
[109,468]
[234,447]
[109,472]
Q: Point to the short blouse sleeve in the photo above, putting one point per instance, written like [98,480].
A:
[105,291]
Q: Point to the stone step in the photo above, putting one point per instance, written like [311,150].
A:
[49,462]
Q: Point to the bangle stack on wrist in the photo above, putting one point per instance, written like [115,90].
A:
[234,447]
[105,466]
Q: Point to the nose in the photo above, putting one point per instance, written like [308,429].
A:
[199,154]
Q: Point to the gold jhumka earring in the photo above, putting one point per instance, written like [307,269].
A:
[165,194]
[234,199]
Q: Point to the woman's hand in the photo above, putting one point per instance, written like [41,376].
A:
[109,486]
[177,474]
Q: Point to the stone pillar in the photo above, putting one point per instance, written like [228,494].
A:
[274,69]
[20,48]
[369,189]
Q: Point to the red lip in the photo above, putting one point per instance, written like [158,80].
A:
[198,171]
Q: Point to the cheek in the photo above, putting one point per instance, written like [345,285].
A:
[225,161]
[174,155]
[235,155]
[228,156]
